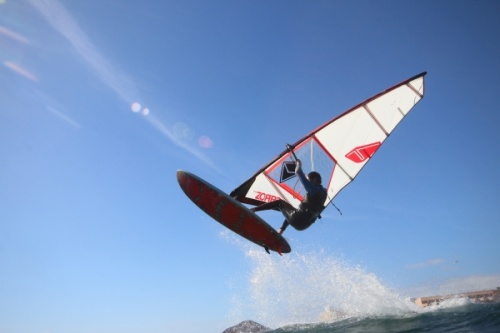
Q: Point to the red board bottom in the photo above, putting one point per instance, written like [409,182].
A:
[231,213]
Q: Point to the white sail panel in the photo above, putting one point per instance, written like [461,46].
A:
[347,133]
[265,189]
[339,180]
[389,109]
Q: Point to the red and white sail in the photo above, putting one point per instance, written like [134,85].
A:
[338,149]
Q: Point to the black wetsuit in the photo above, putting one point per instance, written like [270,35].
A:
[309,209]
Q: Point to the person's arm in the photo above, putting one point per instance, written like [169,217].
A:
[303,179]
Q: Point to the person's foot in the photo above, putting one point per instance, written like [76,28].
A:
[280,231]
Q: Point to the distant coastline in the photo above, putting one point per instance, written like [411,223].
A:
[484,296]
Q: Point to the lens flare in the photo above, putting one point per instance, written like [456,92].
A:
[205,142]
[182,131]
[136,107]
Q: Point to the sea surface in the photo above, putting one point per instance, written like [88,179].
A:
[480,318]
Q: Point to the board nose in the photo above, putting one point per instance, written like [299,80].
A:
[180,175]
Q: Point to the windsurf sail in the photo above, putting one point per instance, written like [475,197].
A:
[338,149]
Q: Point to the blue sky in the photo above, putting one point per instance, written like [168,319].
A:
[101,103]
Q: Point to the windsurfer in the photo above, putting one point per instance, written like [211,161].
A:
[309,209]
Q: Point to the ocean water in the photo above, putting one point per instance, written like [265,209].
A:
[317,292]
[480,318]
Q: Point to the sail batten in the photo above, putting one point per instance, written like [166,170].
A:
[338,149]
[375,120]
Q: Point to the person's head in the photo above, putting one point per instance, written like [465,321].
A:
[314,177]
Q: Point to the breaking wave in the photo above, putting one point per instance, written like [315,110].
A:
[309,288]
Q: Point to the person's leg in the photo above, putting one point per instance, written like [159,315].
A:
[283,227]
[279,204]
[286,209]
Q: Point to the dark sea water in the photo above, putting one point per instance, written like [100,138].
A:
[465,318]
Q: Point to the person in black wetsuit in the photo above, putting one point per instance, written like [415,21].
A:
[309,209]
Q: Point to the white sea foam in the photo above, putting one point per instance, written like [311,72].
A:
[313,287]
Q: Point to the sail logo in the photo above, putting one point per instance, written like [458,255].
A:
[362,153]
[265,197]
